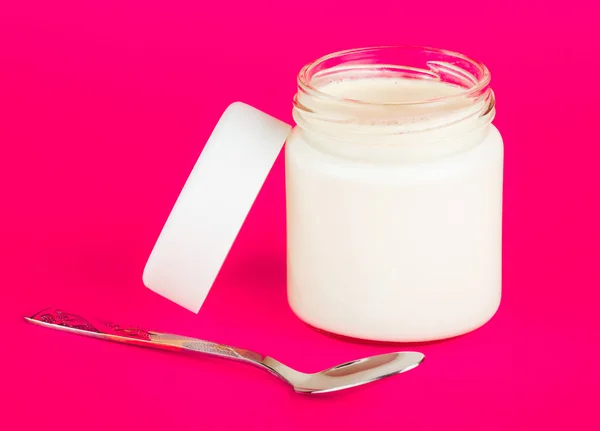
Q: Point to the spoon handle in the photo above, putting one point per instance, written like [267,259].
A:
[61,320]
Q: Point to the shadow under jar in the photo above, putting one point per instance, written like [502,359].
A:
[394,195]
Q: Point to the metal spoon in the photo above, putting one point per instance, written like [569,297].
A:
[353,373]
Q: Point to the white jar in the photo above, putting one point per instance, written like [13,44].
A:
[394,195]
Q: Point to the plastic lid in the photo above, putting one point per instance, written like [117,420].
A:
[213,205]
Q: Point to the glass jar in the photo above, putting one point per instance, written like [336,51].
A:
[394,195]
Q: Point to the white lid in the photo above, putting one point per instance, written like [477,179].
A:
[213,205]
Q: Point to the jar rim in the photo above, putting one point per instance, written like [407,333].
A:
[478,72]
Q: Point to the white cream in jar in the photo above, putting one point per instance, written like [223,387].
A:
[394,195]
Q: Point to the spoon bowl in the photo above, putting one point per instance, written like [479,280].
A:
[350,374]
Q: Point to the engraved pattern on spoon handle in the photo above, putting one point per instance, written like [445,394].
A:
[195,344]
[211,348]
[203,346]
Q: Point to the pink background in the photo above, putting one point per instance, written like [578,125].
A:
[104,108]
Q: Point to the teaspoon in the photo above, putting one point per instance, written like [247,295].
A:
[347,375]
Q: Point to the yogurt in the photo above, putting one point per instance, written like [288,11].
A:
[394,208]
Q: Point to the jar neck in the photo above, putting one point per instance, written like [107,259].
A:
[394,104]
